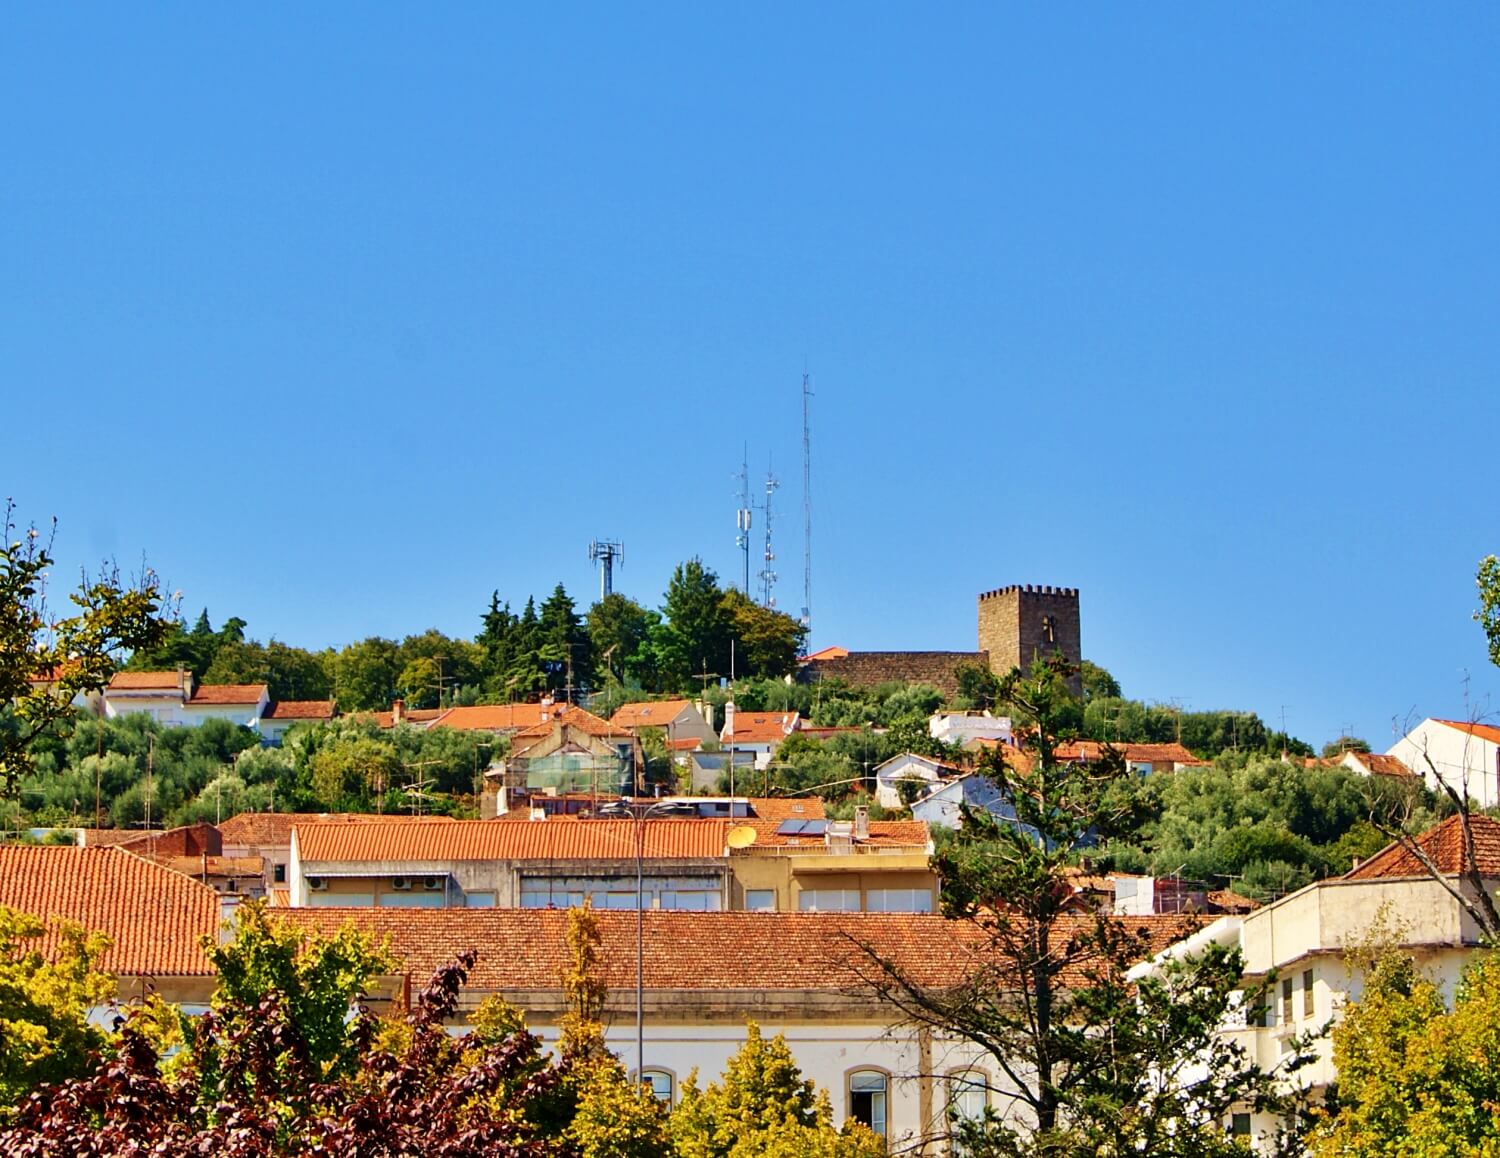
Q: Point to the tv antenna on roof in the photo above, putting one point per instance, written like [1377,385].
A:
[604,552]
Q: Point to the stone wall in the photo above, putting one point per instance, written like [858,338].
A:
[1020,624]
[868,669]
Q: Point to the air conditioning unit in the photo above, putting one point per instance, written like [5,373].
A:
[401,884]
[432,884]
[317,884]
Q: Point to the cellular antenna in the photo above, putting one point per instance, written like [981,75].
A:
[768,570]
[807,507]
[742,519]
[604,552]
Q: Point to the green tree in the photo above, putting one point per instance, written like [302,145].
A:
[618,628]
[564,648]
[1097,682]
[46,660]
[45,1035]
[767,642]
[1080,1047]
[1417,1078]
[367,675]
[696,628]
[315,979]
[1488,615]
[763,1106]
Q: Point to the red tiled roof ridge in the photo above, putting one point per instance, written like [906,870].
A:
[156,918]
[465,840]
[1444,845]
[1483,731]
[300,710]
[524,949]
[228,694]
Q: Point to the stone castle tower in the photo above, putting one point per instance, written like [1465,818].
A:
[1020,624]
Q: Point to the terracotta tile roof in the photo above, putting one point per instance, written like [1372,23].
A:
[780,808]
[493,717]
[274,829]
[656,714]
[299,710]
[409,716]
[556,838]
[1229,901]
[1135,753]
[227,694]
[524,949]
[140,681]
[1378,765]
[155,916]
[883,834]
[1479,731]
[214,866]
[833,652]
[1444,845]
[684,744]
[571,715]
[760,727]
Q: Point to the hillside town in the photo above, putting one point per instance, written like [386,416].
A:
[846,919]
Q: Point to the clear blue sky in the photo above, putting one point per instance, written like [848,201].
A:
[347,315]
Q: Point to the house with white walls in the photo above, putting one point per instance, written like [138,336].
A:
[909,768]
[1464,756]
[176,699]
[758,732]
[1301,945]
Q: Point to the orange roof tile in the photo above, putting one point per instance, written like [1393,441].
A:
[573,716]
[1378,765]
[524,949]
[274,829]
[655,714]
[883,834]
[456,840]
[227,694]
[1136,753]
[299,710]
[1480,731]
[833,652]
[155,917]
[496,717]
[140,681]
[780,808]
[760,727]
[1444,846]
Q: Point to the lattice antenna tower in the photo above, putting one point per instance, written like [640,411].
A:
[742,519]
[807,504]
[604,552]
[768,559]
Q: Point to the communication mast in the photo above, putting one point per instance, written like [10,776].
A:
[604,552]
[768,571]
[807,505]
[742,519]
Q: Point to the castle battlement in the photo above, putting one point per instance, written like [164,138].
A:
[1031,589]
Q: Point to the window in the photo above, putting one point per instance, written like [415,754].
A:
[1308,1008]
[278,874]
[867,1099]
[898,901]
[968,1096]
[661,1083]
[1239,1125]
[760,900]
[828,900]
[1286,1001]
[485,900]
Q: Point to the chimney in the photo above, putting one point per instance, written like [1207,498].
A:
[862,822]
[398,711]
[185,682]
[729,720]
[706,710]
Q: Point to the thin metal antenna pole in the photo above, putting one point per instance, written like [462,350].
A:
[807,505]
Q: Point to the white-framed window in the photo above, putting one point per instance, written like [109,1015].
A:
[968,1097]
[662,1082]
[898,901]
[867,1098]
[760,900]
[828,901]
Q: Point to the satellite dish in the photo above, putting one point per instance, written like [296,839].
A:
[740,836]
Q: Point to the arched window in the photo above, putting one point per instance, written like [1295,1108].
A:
[968,1097]
[662,1082]
[867,1098]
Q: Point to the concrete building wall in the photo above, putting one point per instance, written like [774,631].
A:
[1464,761]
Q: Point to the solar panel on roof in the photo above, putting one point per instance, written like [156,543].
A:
[795,827]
